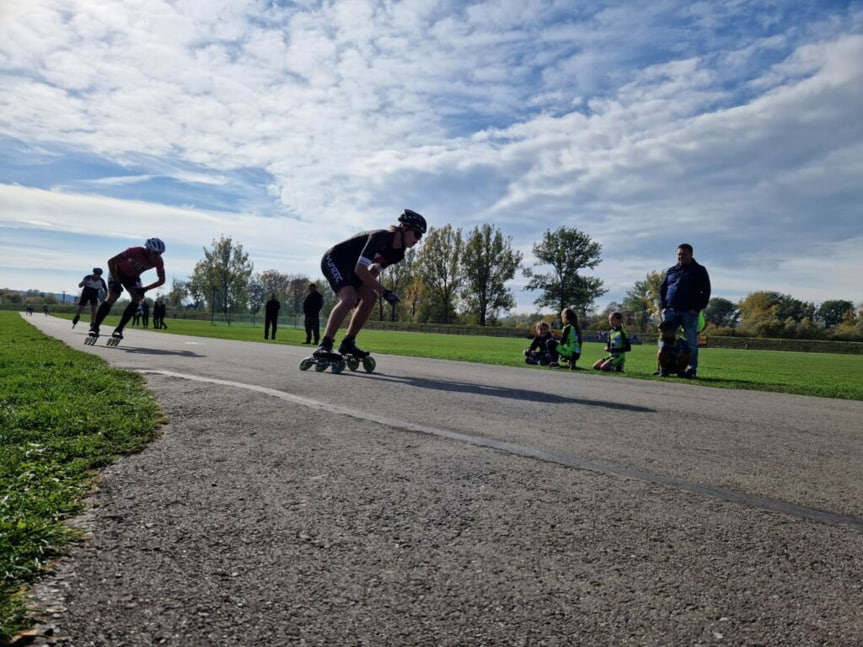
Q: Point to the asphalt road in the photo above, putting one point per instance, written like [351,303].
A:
[447,503]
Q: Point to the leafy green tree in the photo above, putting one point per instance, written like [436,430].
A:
[721,312]
[567,251]
[488,263]
[832,313]
[642,300]
[256,294]
[439,264]
[223,276]
[274,282]
[398,278]
[178,294]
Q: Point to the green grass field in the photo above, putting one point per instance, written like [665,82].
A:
[816,374]
[64,413]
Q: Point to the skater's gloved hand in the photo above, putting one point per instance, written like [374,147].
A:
[391,297]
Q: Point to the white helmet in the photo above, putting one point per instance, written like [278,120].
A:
[155,245]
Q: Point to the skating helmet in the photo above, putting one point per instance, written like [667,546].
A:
[413,220]
[155,245]
[97,271]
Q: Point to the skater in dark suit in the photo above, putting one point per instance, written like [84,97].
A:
[352,268]
[312,305]
[271,316]
[93,285]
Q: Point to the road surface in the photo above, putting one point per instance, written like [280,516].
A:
[447,503]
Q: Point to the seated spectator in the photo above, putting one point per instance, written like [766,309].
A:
[617,346]
[673,353]
[537,352]
[568,349]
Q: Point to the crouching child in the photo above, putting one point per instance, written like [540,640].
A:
[568,349]
[617,347]
[537,352]
[673,354]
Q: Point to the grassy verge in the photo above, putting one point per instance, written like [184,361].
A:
[816,374]
[62,414]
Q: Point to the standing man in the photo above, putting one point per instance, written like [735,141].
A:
[312,305]
[145,313]
[271,316]
[124,271]
[683,294]
[93,285]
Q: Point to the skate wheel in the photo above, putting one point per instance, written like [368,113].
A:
[306,364]
[353,363]
[339,366]
[369,364]
[321,366]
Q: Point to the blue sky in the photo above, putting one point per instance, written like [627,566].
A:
[288,126]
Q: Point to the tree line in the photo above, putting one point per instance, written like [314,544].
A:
[454,277]
[458,277]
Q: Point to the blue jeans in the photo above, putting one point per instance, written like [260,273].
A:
[689,321]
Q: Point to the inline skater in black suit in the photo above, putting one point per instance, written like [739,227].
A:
[352,268]
[94,286]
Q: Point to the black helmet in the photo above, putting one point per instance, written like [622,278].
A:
[97,270]
[413,220]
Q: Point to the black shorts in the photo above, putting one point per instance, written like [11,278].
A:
[89,296]
[339,275]
[133,286]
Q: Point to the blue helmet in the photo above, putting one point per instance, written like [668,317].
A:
[97,271]
[155,245]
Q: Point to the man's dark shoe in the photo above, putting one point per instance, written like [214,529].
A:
[689,373]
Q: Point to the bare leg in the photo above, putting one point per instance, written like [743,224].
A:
[347,300]
[368,300]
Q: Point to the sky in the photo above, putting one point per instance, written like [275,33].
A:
[734,125]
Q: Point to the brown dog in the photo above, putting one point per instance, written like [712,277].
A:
[673,354]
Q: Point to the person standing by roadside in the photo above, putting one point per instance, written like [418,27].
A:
[93,285]
[312,305]
[683,294]
[271,316]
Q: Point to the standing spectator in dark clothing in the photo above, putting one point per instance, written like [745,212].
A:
[683,294]
[312,305]
[159,316]
[271,316]
[157,313]
[145,314]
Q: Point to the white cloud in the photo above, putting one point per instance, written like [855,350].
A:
[732,126]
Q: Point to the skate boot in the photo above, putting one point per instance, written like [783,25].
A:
[116,338]
[356,356]
[349,347]
[325,352]
[92,336]
[75,320]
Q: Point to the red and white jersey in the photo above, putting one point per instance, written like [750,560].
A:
[136,260]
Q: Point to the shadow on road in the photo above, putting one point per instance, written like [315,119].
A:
[501,392]
[158,351]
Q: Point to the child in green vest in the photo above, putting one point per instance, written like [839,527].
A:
[617,346]
[569,346]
